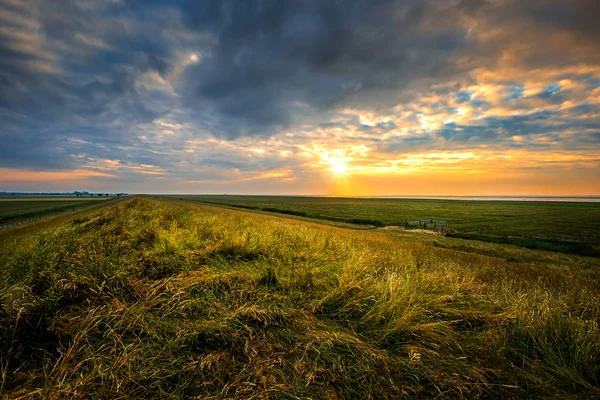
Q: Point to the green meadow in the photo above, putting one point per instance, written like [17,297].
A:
[14,210]
[151,297]
[558,226]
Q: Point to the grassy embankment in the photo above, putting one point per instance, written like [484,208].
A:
[14,210]
[151,298]
[555,226]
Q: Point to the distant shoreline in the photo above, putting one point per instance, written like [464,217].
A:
[556,199]
[560,199]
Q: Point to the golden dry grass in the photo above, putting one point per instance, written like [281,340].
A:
[151,298]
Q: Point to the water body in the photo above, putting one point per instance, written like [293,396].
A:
[572,199]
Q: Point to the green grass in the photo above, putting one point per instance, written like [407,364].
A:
[557,226]
[156,298]
[22,209]
[50,198]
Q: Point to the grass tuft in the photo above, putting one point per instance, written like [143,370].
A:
[269,278]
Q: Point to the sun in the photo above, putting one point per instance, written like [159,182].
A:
[339,167]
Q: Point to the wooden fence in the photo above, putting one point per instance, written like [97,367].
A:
[424,223]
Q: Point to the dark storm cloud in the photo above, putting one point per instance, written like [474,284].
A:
[540,33]
[271,59]
[577,16]
[69,69]
[76,77]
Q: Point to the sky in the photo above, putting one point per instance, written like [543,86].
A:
[337,97]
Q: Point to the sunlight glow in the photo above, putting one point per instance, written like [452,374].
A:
[338,166]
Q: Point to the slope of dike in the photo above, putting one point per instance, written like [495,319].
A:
[156,298]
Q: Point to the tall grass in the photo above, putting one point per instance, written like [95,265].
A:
[158,299]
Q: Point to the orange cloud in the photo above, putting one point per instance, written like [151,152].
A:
[15,175]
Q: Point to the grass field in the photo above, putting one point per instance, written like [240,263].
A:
[13,210]
[49,198]
[158,298]
[565,227]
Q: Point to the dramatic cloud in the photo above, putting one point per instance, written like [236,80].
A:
[274,96]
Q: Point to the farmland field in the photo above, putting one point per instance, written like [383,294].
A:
[50,198]
[17,209]
[559,226]
[159,298]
